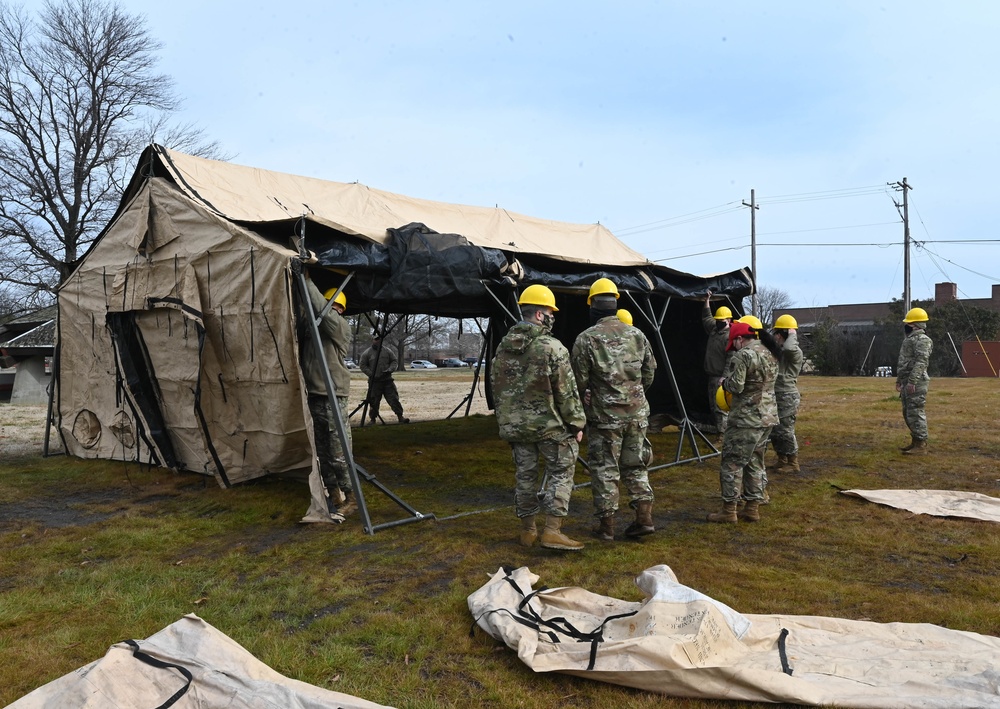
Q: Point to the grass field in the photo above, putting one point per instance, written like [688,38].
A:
[92,553]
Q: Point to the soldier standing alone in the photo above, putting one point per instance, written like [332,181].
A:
[912,380]
[539,413]
[378,363]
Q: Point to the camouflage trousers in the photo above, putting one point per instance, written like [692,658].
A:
[329,450]
[383,388]
[552,497]
[718,415]
[741,473]
[615,454]
[783,435]
[913,411]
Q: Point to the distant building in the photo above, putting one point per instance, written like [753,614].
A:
[27,344]
[865,314]
[980,359]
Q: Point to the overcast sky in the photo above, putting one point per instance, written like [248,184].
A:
[655,119]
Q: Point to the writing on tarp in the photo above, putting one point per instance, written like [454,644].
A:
[702,635]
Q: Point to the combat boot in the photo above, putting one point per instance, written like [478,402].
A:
[728,513]
[913,442]
[606,529]
[918,447]
[552,538]
[402,419]
[791,463]
[778,464]
[529,531]
[751,512]
[349,505]
[643,524]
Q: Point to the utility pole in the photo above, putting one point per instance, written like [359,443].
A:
[905,187]
[753,249]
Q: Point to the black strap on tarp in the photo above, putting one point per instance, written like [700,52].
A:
[553,627]
[153,662]
[783,653]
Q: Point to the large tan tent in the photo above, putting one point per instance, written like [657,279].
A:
[177,330]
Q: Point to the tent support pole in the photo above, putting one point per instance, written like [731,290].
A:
[685,427]
[355,471]
[467,401]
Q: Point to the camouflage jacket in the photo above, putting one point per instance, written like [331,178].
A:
[615,362]
[789,366]
[751,383]
[387,363]
[534,392]
[715,348]
[914,356]
[336,336]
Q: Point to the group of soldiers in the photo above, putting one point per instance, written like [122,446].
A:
[546,397]
[753,393]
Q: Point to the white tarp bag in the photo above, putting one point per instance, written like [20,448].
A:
[681,643]
[187,665]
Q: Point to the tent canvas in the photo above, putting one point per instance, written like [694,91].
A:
[177,330]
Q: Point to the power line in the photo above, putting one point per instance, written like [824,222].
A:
[719,210]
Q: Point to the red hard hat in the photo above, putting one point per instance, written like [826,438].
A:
[738,329]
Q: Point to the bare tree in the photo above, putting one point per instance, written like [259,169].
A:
[770,302]
[79,99]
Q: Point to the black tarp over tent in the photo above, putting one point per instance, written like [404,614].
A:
[177,337]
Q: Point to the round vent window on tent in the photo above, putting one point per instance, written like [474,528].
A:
[87,429]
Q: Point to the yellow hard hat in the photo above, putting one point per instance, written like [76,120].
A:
[752,321]
[786,322]
[916,315]
[723,312]
[625,316]
[603,286]
[341,298]
[723,399]
[538,295]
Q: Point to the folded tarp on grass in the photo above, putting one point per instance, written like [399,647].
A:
[191,663]
[942,503]
[683,644]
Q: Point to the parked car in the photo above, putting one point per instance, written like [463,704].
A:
[453,362]
[350,363]
[422,364]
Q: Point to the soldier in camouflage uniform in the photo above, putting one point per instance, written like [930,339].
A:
[614,365]
[717,328]
[912,379]
[378,363]
[335,334]
[786,391]
[752,413]
[539,413]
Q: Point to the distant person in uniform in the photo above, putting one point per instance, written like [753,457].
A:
[717,328]
[378,362]
[786,392]
[614,365]
[912,380]
[540,414]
